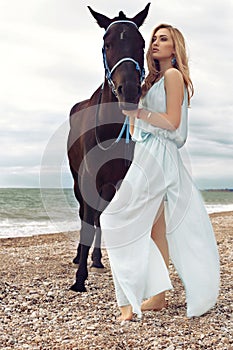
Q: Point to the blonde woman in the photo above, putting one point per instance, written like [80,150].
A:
[158,195]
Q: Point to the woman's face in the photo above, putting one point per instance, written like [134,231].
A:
[162,45]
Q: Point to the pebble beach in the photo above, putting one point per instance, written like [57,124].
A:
[38,311]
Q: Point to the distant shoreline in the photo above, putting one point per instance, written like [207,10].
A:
[218,190]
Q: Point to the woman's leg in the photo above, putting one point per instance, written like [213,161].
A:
[158,234]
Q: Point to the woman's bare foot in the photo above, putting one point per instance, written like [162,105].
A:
[155,303]
[126,313]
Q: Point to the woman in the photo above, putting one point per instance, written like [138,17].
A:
[158,186]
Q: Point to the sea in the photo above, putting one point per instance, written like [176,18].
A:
[32,211]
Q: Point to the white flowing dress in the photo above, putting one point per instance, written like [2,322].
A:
[157,175]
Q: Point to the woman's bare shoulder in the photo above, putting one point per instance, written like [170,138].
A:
[173,73]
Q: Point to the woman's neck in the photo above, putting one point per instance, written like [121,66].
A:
[163,67]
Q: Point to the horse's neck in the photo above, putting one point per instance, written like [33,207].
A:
[107,94]
[109,109]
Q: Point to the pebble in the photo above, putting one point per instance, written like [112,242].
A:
[38,312]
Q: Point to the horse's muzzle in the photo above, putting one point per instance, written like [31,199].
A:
[128,106]
[128,95]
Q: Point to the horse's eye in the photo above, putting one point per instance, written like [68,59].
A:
[107,46]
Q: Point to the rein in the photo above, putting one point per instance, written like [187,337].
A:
[108,76]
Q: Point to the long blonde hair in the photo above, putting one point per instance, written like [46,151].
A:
[181,61]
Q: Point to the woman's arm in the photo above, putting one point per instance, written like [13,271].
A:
[174,86]
[131,122]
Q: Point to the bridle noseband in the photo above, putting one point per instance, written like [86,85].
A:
[108,72]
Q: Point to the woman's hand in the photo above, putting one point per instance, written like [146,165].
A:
[134,113]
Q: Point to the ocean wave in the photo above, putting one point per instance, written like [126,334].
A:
[28,212]
[10,228]
[218,208]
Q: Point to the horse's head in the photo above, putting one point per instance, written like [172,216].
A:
[123,54]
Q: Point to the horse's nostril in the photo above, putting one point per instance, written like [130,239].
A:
[120,89]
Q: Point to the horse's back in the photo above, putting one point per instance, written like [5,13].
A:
[93,100]
[79,106]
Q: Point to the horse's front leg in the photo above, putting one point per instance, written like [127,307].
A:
[87,233]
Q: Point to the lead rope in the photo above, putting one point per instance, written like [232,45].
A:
[127,137]
[125,127]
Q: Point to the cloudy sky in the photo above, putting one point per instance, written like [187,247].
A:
[51,59]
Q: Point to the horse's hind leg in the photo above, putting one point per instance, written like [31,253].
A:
[77,258]
[81,215]
[96,256]
[106,194]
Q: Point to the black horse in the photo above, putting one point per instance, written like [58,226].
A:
[98,163]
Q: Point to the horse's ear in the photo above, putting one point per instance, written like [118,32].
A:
[102,20]
[141,16]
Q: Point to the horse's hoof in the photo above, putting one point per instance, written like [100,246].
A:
[78,288]
[97,269]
